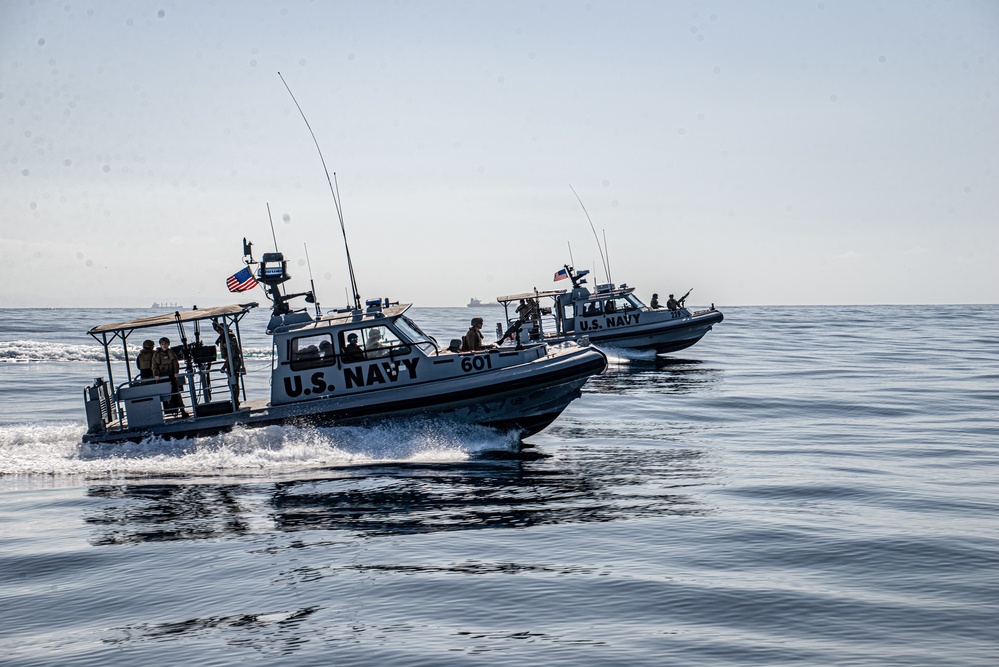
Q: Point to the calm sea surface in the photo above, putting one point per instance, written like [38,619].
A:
[805,486]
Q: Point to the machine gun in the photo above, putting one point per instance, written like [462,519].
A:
[684,297]
[513,333]
[196,353]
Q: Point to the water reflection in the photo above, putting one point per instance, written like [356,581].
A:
[662,375]
[271,633]
[581,486]
[164,512]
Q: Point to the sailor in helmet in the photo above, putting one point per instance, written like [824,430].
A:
[472,340]
[352,351]
[144,360]
[375,345]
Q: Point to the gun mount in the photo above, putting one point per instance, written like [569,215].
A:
[273,272]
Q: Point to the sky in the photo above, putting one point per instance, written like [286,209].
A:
[778,152]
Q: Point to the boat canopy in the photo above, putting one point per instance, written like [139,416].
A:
[174,318]
[529,295]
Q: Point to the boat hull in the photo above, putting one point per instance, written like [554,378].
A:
[527,398]
[663,335]
[664,338]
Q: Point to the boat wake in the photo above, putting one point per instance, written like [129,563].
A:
[624,355]
[28,450]
[34,351]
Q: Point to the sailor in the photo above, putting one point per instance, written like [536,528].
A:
[374,344]
[472,341]
[226,345]
[523,311]
[655,302]
[144,360]
[672,303]
[326,350]
[166,365]
[611,307]
[352,352]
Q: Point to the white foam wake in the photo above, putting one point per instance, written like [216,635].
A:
[623,354]
[33,351]
[56,449]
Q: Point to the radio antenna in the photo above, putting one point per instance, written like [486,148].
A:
[571,260]
[274,236]
[602,259]
[271,220]
[609,279]
[312,283]
[350,264]
[333,191]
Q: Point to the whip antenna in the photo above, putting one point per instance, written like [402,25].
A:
[273,236]
[312,283]
[602,259]
[609,279]
[271,220]
[336,198]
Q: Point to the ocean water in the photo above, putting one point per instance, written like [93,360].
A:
[805,486]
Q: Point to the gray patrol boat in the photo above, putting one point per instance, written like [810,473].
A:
[611,316]
[345,367]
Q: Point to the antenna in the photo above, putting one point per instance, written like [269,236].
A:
[571,260]
[333,191]
[273,235]
[350,264]
[604,261]
[312,283]
[609,279]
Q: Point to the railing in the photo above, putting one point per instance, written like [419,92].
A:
[200,387]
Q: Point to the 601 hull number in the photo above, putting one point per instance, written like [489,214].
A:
[476,363]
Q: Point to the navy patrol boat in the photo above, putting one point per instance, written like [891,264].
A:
[611,316]
[346,367]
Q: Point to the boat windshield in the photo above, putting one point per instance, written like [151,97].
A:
[635,301]
[415,335]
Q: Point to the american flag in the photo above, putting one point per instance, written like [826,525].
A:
[561,274]
[241,281]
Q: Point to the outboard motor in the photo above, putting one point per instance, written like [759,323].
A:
[97,403]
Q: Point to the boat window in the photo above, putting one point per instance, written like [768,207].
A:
[592,309]
[373,342]
[619,304]
[410,330]
[311,351]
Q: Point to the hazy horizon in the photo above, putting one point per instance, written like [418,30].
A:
[773,153]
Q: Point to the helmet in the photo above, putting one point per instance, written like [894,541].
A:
[476,320]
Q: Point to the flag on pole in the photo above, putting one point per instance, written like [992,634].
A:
[241,281]
[561,274]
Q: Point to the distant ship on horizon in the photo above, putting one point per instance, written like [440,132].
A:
[475,303]
[165,304]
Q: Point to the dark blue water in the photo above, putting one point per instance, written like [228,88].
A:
[805,486]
